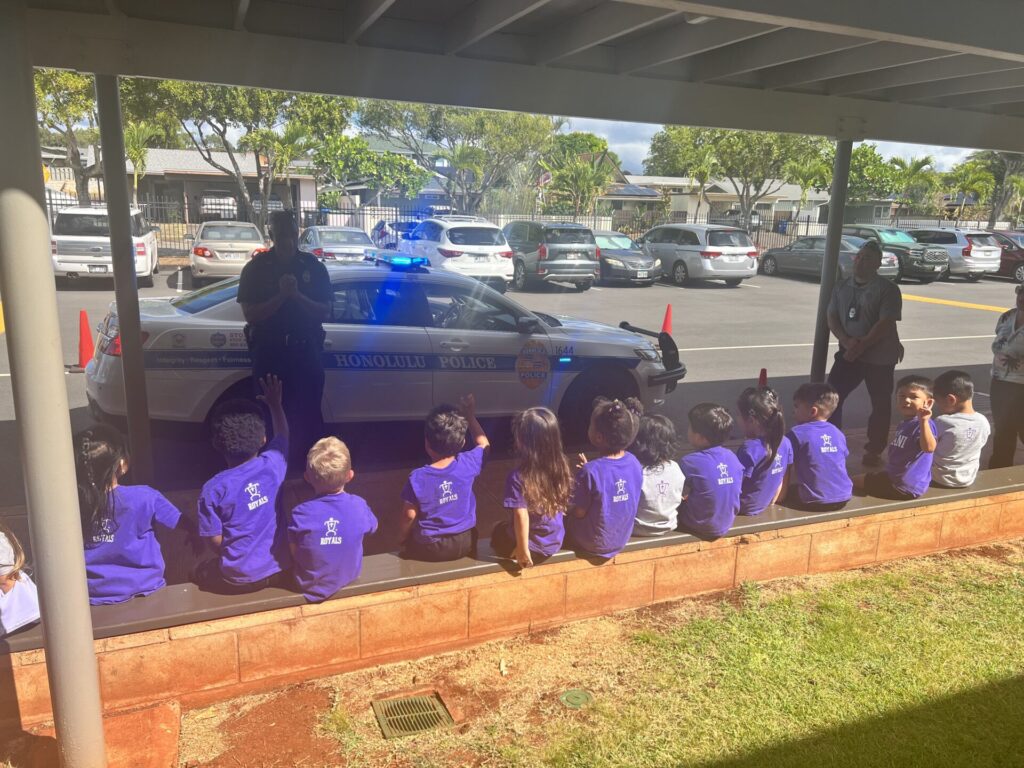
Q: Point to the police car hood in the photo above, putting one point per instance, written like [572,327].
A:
[588,330]
[160,307]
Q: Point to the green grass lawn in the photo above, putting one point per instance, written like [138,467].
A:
[919,663]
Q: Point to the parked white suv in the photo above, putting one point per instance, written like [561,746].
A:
[80,245]
[972,252]
[467,245]
[702,252]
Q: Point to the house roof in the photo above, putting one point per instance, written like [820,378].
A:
[381,145]
[161,162]
[630,192]
[660,181]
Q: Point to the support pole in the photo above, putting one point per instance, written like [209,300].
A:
[41,409]
[829,270]
[122,251]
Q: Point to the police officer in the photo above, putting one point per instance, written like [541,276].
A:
[862,315]
[286,295]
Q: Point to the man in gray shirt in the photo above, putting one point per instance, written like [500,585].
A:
[862,315]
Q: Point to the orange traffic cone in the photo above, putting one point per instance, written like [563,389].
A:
[666,324]
[85,347]
[762,380]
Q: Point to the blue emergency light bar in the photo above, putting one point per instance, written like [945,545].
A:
[400,262]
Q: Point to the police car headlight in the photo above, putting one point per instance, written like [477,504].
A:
[656,264]
[647,353]
[613,262]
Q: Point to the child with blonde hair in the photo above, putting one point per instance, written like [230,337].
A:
[19,601]
[325,534]
[536,491]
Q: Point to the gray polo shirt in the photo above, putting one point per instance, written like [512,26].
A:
[859,307]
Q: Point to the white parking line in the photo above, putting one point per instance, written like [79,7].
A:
[831,344]
[749,285]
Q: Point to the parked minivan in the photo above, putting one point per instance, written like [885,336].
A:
[702,252]
[546,252]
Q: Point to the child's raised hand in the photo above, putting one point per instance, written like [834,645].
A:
[270,391]
[924,412]
[467,404]
[581,459]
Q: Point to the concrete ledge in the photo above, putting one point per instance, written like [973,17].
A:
[192,648]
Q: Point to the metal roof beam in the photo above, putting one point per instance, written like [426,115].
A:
[673,43]
[597,26]
[912,74]
[485,17]
[241,11]
[780,47]
[992,81]
[982,99]
[852,61]
[994,28]
[360,15]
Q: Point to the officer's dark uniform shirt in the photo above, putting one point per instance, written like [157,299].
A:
[260,282]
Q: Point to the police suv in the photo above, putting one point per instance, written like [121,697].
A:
[402,338]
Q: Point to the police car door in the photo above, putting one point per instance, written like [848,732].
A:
[479,347]
[377,353]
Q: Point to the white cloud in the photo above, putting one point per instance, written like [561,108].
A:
[945,157]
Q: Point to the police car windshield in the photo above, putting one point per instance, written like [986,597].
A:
[343,237]
[569,236]
[232,232]
[207,297]
[476,236]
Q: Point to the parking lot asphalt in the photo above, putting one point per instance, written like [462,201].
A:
[726,335]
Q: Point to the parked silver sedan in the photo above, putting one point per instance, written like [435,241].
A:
[222,248]
[336,244]
[806,256]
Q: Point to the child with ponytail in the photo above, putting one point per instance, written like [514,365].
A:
[536,491]
[767,454]
[122,556]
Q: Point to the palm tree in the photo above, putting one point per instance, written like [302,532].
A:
[1016,185]
[916,174]
[969,179]
[288,146]
[137,137]
[578,180]
[806,173]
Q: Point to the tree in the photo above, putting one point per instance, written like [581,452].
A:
[283,148]
[871,177]
[969,179]
[576,182]
[1003,166]
[63,101]
[752,162]
[581,143]
[344,160]
[138,138]
[486,145]
[807,173]
[914,178]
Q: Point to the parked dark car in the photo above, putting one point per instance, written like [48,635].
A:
[623,260]
[806,256]
[926,263]
[1011,263]
[552,253]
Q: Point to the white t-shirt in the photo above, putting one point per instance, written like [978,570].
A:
[660,499]
[20,606]
[958,453]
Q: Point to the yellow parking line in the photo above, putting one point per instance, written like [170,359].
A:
[951,303]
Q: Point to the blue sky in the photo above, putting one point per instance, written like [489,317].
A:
[631,141]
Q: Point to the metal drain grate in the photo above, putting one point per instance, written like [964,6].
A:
[411,714]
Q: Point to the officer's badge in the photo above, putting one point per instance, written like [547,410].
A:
[305,276]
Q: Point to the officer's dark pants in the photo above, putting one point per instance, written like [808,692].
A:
[1007,421]
[300,368]
[846,377]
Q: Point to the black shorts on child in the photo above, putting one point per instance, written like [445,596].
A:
[439,549]
[503,542]
[208,578]
[879,485]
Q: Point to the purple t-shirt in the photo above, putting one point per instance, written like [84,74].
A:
[546,533]
[123,558]
[761,482]
[327,533]
[609,489]
[910,468]
[819,463]
[714,477]
[240,504]
[445,496]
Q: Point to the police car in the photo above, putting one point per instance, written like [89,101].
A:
[402,338]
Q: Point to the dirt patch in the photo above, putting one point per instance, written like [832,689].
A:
[1000,553]
[279,732]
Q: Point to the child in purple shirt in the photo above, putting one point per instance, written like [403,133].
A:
[536,491]
[122,555]
[607,493]
[238,507]
[325,534]
[820,482]
[439,508]
[908,466]
[714,475]
[767,454]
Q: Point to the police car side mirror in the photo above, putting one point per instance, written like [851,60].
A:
[528,325]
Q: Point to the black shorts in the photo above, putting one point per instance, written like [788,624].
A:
[879,485]
[793,502]
[208,578]
[503,542]
[439,549]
